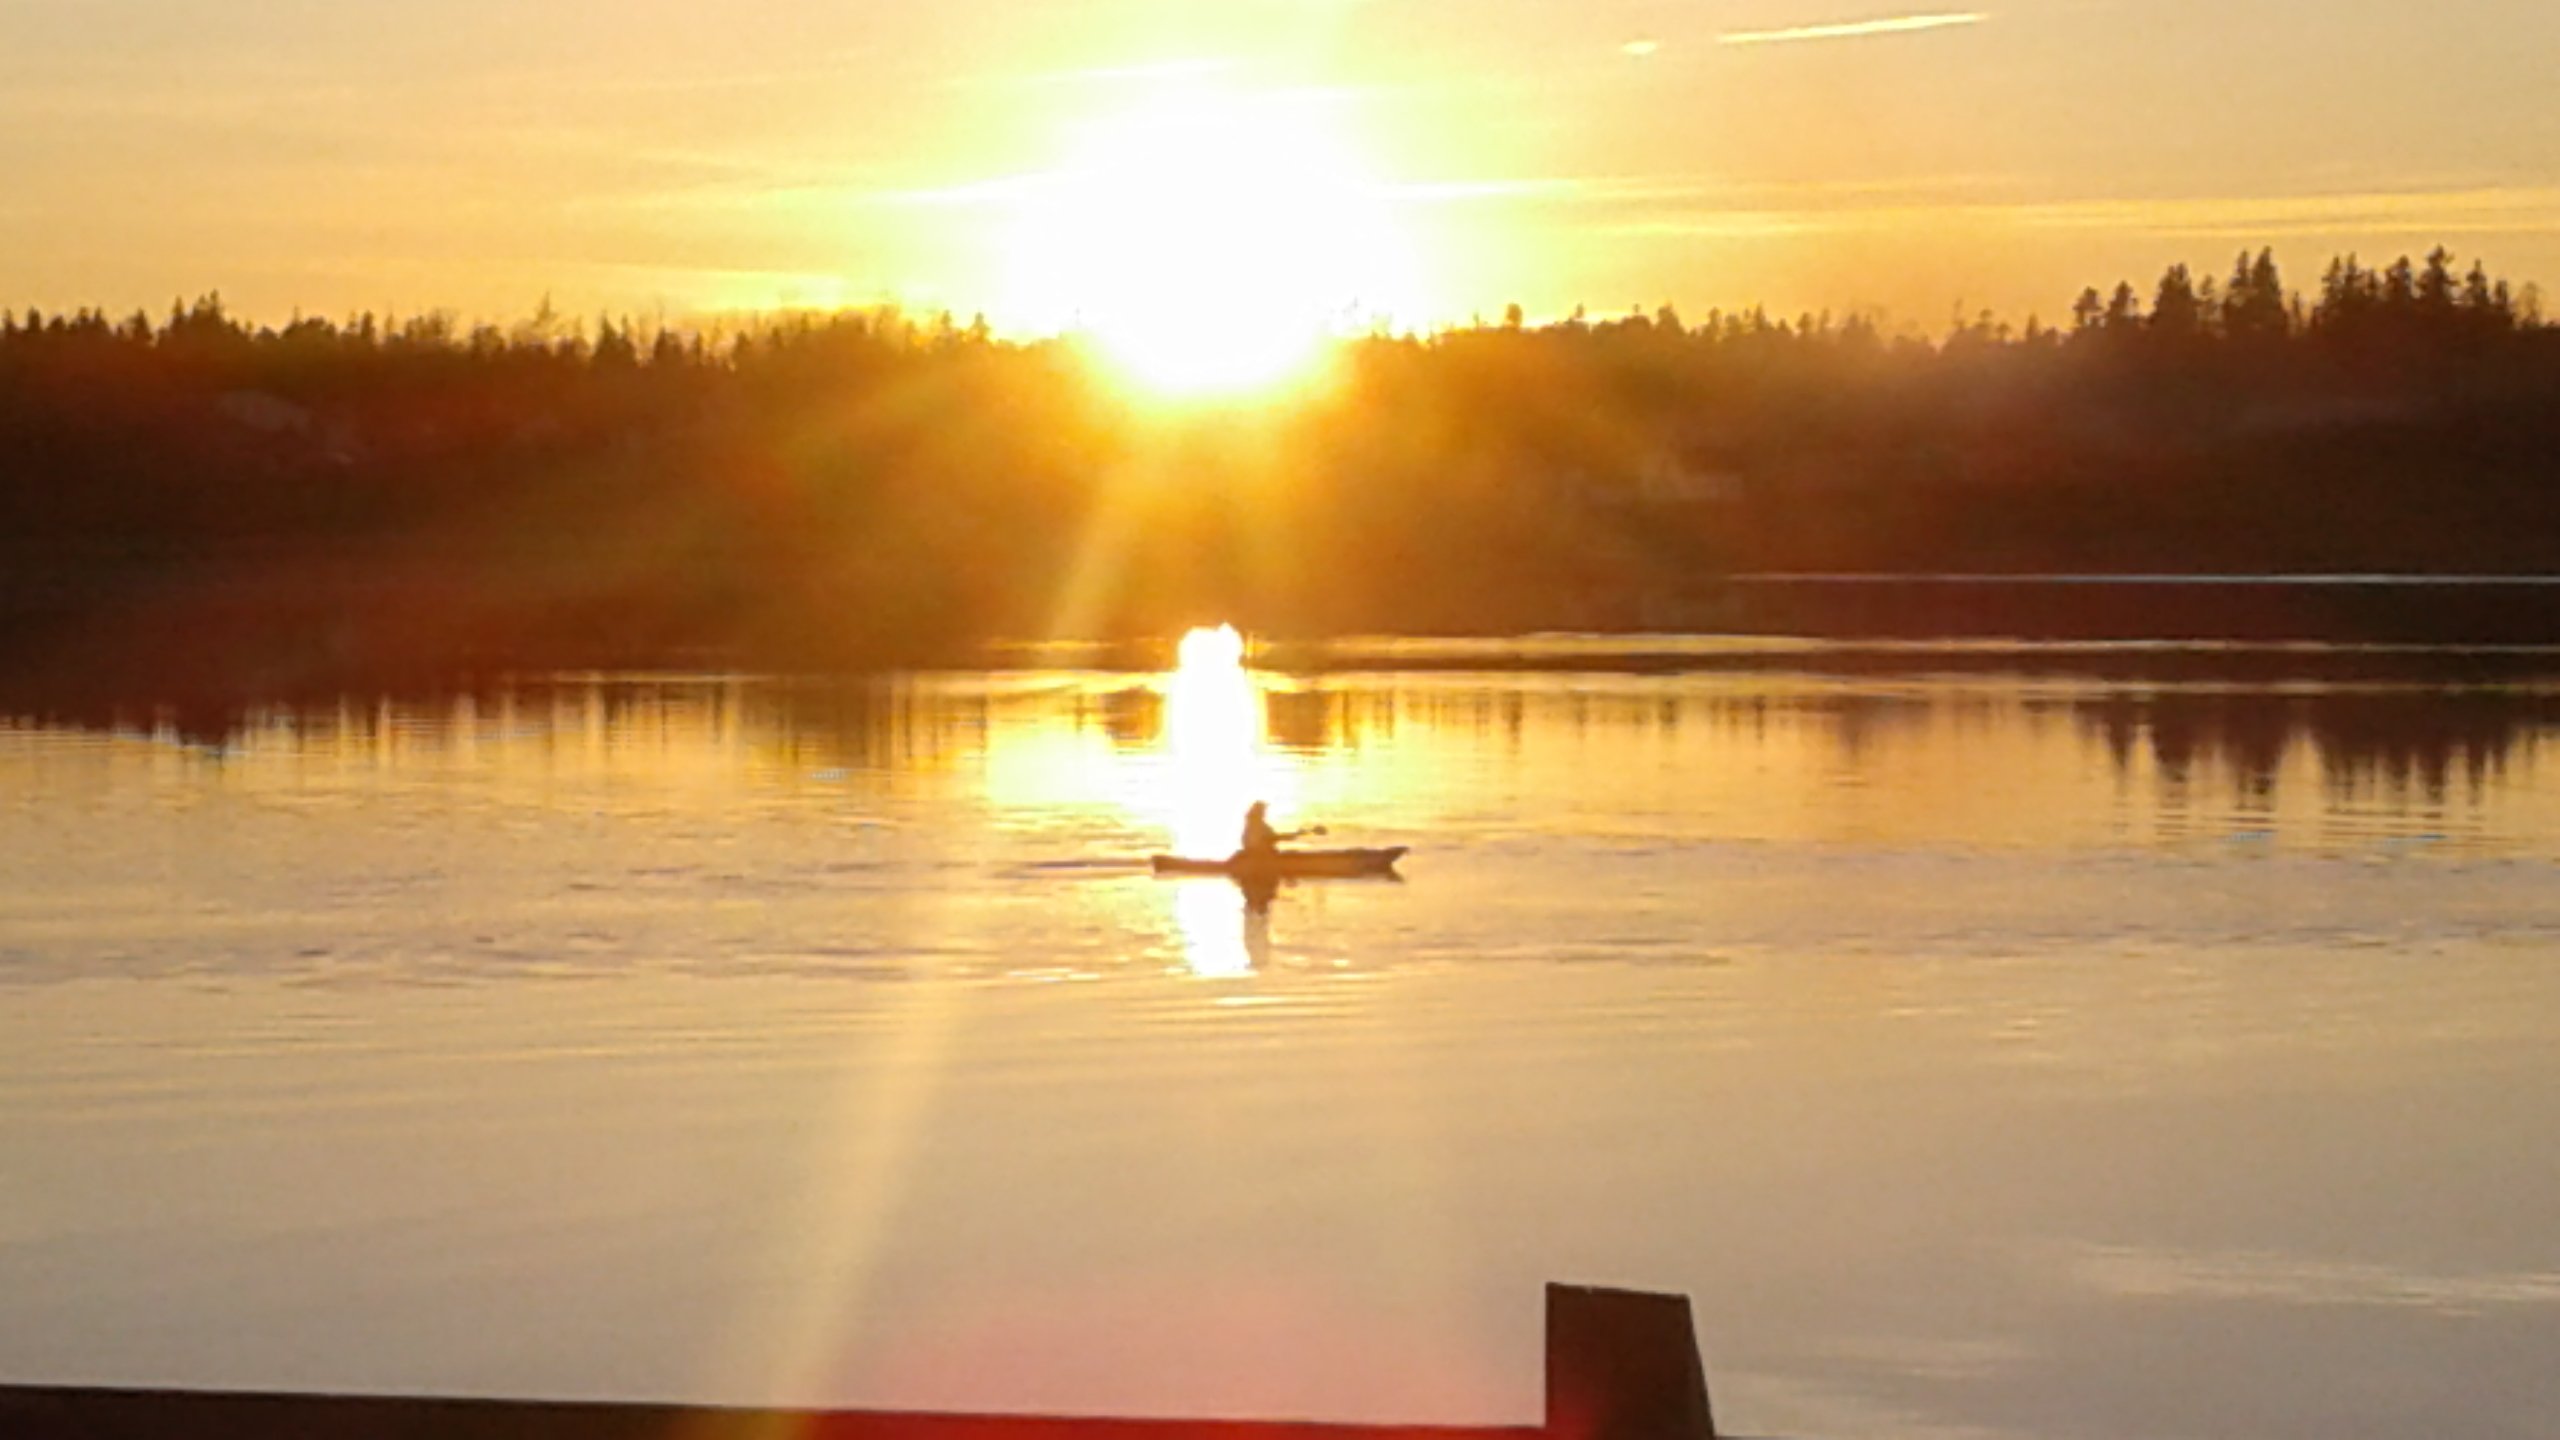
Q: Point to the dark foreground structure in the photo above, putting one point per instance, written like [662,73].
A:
[1621,1365]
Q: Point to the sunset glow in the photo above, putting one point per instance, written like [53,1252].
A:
[1207,241]
[1206,190]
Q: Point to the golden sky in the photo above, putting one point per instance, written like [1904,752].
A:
[1422,160]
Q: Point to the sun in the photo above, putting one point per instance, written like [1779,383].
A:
[1209,241]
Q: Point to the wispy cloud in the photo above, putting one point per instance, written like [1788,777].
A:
[2472,210]
[1673,206]
[1855,29]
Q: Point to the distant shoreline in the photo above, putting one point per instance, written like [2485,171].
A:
[1926,578]
[209,622]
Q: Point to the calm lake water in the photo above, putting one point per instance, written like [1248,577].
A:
[1988,1050]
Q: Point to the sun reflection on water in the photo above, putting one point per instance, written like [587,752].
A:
[1172,766]
[1216,763]
[1211,919]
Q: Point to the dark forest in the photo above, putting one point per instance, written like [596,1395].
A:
[283,503]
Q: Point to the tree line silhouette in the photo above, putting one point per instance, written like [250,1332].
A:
[872,485]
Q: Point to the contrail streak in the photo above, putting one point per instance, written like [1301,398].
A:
[1852,29]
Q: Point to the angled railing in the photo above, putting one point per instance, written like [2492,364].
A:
[1621,1365]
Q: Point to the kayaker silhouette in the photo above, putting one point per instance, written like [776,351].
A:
[1261,842]
[1261,858]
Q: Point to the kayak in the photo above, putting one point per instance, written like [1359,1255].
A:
[1288,864]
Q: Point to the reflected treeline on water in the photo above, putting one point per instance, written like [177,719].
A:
[2420,743]
[2414,739]
[866,723]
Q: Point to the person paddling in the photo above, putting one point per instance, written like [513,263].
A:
[1261,842]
